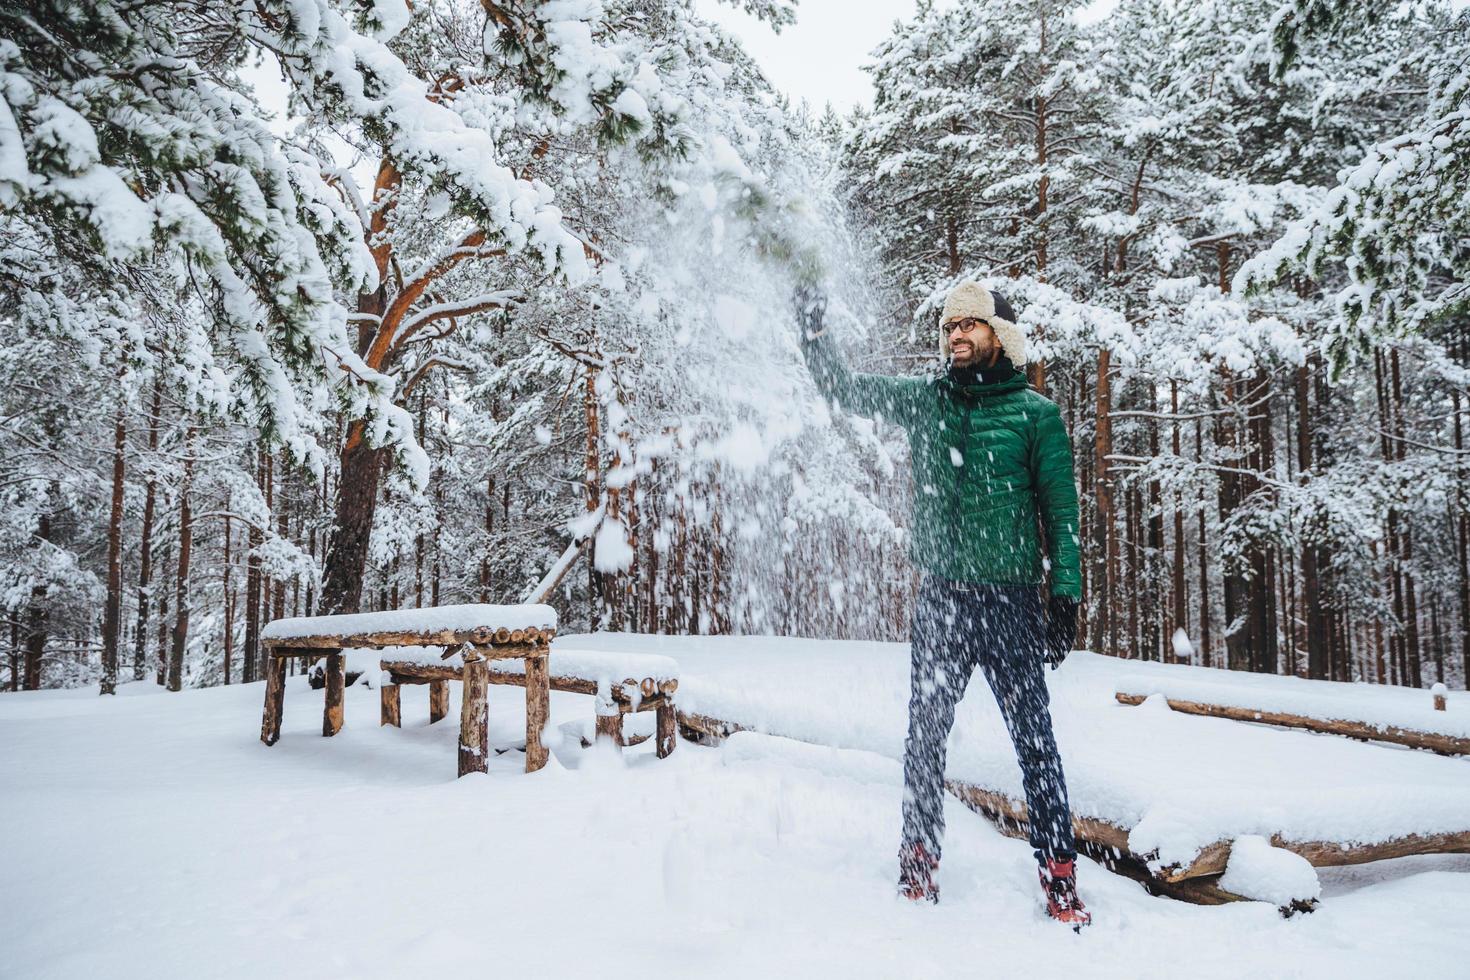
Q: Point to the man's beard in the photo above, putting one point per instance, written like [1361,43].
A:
[966,353]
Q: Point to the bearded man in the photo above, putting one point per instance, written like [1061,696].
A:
[992,470]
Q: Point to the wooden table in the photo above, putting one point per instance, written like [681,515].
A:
[478,646]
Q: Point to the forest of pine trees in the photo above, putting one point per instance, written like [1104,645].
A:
[325,306]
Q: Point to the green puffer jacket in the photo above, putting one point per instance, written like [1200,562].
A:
[988,459]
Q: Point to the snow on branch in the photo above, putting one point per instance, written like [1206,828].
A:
[498,300]
[345,74]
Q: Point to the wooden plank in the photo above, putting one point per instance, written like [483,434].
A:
[336,679]
[538,710]
[410,671]
[390,707]
[474,734]
[275,698]
[666,729]
[1413,738]
[438,700]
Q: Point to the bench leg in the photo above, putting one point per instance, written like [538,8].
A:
[391,707]
[336,678]
[275,698]
[438,700]
[610,726]
[666,731]
[474,719]
[538,708]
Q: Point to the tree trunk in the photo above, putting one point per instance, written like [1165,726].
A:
[252,657]
[1180,587]
[489,539]
[112,611]
[36,617]
[280,503]
[1318,655]
[1411,603]
[182,600]
[1462,532]
[160,654]
[357,503]
[591,473]
[1264,639]
[1157,642]
[145,562]
[1204,561]
[229,599]
[1106,557]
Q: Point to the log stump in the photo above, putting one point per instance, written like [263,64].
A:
[275,699]
[438,700]
[610,727]
[474,718]
[538,709]
[336,679]
[391,708]
[666,730]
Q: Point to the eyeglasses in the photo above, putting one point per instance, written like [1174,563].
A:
[967,325]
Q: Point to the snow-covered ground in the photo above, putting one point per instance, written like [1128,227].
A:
[152,835]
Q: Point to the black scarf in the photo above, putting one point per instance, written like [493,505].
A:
[968,375]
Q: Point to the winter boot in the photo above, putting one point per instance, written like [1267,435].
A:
[916,869]
[1059,881]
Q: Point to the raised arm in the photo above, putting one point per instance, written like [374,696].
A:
[873,395]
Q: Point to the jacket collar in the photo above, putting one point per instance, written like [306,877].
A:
[990,386]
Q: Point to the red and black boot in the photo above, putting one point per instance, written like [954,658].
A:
[916,867]
[1059,881]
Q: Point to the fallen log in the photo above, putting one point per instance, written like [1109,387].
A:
[1196,891]
[706,730]
[1332,854]
[1193,882]
[1010,817]
[1413,738]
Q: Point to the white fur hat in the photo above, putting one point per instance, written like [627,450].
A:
[969,298]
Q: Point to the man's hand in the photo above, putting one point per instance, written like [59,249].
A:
[1061,628]
[810,303]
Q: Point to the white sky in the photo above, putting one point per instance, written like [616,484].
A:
[820,57]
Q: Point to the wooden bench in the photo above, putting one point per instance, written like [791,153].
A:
[622,684]
[478,634]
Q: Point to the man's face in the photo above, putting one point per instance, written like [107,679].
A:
[972,343]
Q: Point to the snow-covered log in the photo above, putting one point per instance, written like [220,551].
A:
[1440,742]
[442,626]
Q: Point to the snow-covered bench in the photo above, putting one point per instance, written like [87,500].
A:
[481,635]
[621,683]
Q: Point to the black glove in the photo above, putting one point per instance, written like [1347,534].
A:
[1061,628]
[810,303]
